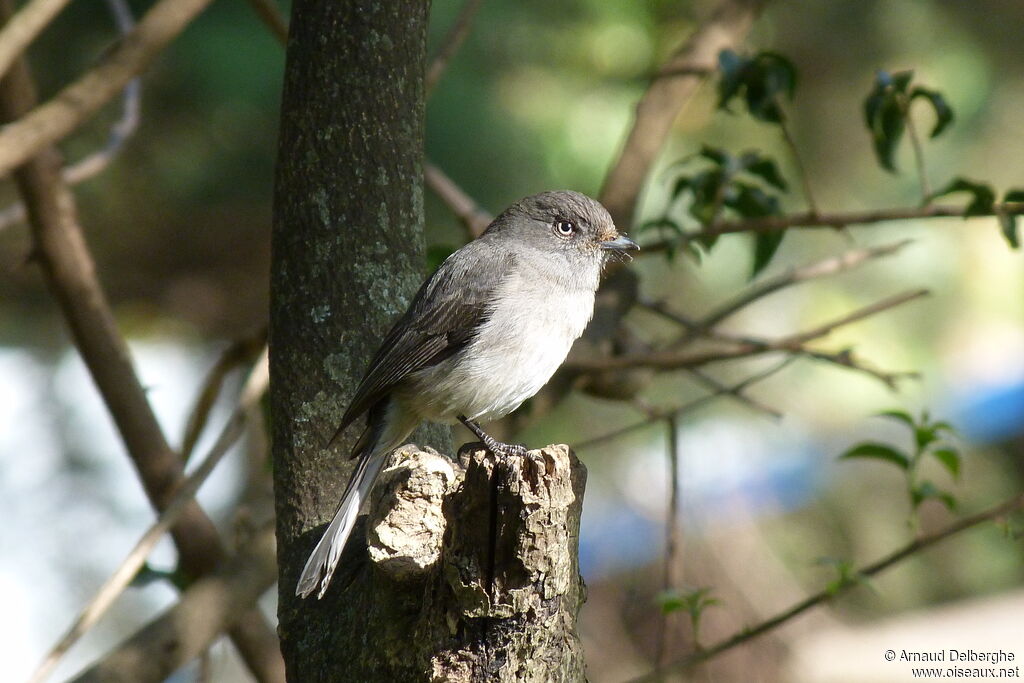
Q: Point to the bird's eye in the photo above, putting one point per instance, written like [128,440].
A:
[565,228]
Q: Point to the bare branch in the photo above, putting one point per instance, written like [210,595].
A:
[76,103]
[917,545]
[671,359]
[238,354]
[254,388]
[70,273]
[847,359]
[678,80]
[656,415]
[462,205]
[206,609]
[717,386]
[915,143]
[272,18]
[836,220]
[801,170]
[672,575]
[23,27]
[120,132]
[793,276]
[452,42]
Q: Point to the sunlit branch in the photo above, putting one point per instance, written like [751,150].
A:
[840,219]
[674,359]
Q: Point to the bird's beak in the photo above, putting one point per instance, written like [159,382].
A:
[620,243]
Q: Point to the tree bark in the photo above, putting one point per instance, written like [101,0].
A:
[347,255]
[464,572]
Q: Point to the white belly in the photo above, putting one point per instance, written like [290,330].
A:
[512,357]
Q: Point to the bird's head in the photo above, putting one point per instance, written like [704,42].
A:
[568,226]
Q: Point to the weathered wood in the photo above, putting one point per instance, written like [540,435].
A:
[469,574]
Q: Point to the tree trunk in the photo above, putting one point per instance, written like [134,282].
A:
[470,572]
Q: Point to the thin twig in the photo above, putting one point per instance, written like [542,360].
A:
[254,388]
[462,205]
[793,276]
[844,358]
[848,360]
[800,338]
[46,124]
[840,219]
[917,545]
[657,415]
[271,16]
[915,144]
[240,353]
[826,267]
[801,170]
[715,385]
[672,567]
[671,359]
[451,43]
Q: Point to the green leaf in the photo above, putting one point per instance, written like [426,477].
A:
[943,112]
[885,114]
[718,156]
[765,246]
[1008,221]
[924,435]
[878,451]
[706,188]
[901,79]
[887,131]
[731,66]
[765,169]
[681,185]
[750,201]
[983,197]
[669,601]
[761,80]
[950,459]
[928,491]
[899,415]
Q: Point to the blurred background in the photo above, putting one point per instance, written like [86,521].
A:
[539,98]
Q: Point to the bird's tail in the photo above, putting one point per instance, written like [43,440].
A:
[322,562]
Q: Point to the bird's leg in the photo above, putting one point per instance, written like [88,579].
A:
[493,445]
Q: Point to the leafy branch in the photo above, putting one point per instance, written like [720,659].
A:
[927,442]
[919,544]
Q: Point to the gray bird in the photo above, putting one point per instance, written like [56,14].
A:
[482,335]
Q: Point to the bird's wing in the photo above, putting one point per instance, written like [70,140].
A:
[443,318]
